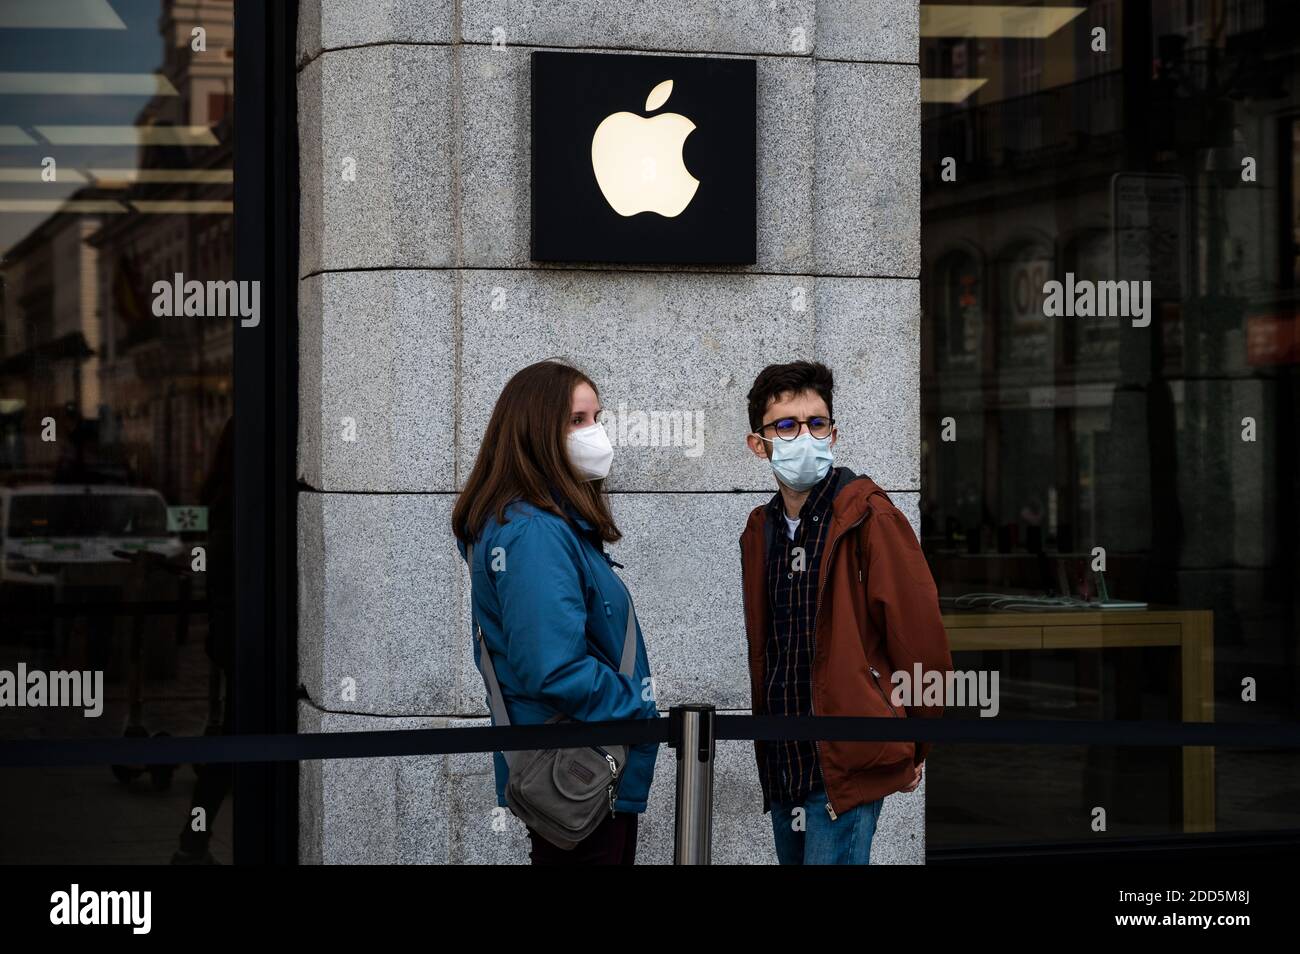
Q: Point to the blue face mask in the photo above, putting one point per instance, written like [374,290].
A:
[802,462]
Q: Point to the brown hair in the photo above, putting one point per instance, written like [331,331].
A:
[524,456]
[794,378]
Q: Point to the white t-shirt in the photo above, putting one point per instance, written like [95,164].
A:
[791,524]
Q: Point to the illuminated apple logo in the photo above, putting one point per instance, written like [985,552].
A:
[638,161]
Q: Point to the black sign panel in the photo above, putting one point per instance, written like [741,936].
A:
[643,158]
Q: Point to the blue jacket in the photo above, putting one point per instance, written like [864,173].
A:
[555,619]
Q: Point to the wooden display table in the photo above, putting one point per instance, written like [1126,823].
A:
[1191,631]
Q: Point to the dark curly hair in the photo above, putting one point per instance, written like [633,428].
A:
[793,378]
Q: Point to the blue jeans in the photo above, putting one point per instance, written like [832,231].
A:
[844,841]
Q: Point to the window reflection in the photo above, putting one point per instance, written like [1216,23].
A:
[116,425]
[1144,462]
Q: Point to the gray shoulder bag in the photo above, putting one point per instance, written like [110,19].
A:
[562,794]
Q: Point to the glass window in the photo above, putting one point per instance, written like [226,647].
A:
[1109,403]
[116,439]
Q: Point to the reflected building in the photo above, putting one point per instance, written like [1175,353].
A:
[116,434]
[143,397]
[1150,141]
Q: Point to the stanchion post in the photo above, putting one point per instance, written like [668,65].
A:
[691,731]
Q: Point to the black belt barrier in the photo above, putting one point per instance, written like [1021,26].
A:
[407,742]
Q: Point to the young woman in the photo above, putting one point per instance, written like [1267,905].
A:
[552,610]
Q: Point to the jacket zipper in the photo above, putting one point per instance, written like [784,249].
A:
[812,706]
[749,646]
[613,766]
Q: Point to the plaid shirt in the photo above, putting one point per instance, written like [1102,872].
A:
[792,769]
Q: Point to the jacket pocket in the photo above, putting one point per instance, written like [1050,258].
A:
[874,676]
[894,751]
[870,698]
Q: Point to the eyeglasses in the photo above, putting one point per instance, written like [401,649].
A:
[788,428]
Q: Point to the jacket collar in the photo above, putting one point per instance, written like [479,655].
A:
[587,529]
[846,475]
[571,512]
[820,496]
[852,499]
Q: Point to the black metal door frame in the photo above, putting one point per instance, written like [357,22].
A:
[266,390]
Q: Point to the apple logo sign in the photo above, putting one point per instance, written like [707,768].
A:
[643,158]
[638,161]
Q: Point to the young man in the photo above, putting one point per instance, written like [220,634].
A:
[837,597]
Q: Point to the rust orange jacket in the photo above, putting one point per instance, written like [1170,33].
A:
[877,612]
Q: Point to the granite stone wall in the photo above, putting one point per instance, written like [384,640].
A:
[418,300]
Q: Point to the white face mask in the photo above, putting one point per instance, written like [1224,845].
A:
[590,451]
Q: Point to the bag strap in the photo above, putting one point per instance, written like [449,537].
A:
[495,701]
